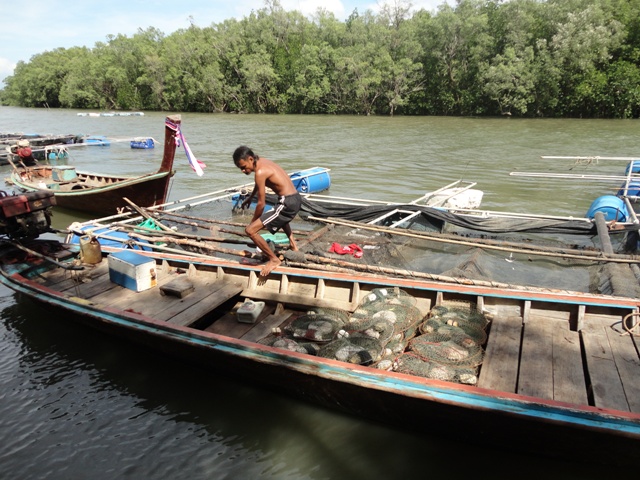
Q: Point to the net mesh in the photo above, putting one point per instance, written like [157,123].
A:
[313,326]
[415,365]
[448,346]
[389,332]
[426,255]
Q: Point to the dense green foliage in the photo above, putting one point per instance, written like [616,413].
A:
[557,58]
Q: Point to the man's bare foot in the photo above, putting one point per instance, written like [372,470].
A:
[292,245]
[270,266]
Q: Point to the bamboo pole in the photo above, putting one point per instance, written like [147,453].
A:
[152,232]
[146,215]
[192,223]
[148,244]
[215,221]
[314,236]
[199,219]
[196,244]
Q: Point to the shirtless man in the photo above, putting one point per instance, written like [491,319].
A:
[268,174]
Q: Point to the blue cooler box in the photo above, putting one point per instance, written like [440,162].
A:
[132,270]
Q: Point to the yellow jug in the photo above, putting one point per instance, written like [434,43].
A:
[90,251]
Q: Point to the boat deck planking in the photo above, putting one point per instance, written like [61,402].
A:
[612,359]
[532,349]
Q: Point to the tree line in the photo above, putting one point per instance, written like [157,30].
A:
[529,58]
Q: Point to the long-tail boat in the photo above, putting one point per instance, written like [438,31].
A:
[99,193]
[550,372]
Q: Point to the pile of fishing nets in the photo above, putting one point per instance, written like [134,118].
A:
[381,327]
[389,332]
[449,346]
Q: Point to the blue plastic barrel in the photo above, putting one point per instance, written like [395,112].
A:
[142,143]
[100,140]
[632,191]
[634,166]
[612,207]
[312,180]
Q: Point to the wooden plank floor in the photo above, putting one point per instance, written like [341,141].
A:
[271,317]
[599,365]
[538,355]
[614,365]
[94,284]
[569,382]
[499,369]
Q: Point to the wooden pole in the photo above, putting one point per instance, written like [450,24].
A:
[215,221]
[603,234]
[142,212]
[196,244]
[150,231]
[66,266]
[192,223]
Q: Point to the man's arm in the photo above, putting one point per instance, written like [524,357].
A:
[261,189]
[247,201]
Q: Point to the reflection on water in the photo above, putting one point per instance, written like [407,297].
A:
[79,404]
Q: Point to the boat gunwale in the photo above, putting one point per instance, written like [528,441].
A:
[122,182]
[533,293]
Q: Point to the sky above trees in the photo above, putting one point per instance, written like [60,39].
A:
[44,25]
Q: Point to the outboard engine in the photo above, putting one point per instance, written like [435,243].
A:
[25,215]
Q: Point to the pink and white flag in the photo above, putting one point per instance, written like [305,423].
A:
[196,164]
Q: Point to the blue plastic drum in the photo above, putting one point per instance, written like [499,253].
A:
[612,207]
[634,166]
[632,191]
[312,180]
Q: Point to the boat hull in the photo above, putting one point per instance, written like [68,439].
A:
[463,418]
[458,412]
[102,194]
[148,190]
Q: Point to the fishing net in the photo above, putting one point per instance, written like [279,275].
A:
[314,326]
[381,327]
[446,351]
[372,251]
[448,346]
[306,333]
[415,365]
[358,349]
[387,316]
[461,315]
[511,251]
[336,314]
[287,343]
[385,305]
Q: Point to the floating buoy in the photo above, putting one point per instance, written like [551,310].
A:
[612,207]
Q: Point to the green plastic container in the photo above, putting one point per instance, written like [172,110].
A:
[279,238]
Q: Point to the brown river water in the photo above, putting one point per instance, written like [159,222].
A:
[76,404]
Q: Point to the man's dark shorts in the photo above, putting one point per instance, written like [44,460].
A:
[282,213]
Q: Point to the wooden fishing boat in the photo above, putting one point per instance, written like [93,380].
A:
[559,375]
[38,144]
[99,193]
